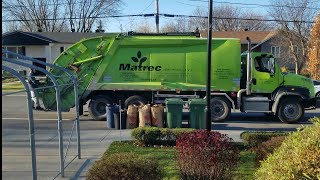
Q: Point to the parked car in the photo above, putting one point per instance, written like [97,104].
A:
[317,87]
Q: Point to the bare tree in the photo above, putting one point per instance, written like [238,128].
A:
[36,14]
[55,15]
[226,18]
[256,22]
[198,22]
[13,26]
[229,18]
[293,28]
[178,25]
[144,27]
[82,14]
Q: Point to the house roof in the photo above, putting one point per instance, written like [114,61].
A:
[255,36]
[52,37]
[68,37]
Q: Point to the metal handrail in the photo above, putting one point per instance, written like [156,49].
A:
[75,82]
[58,104]
[31,120]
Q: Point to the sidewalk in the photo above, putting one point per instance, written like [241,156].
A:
[16,154]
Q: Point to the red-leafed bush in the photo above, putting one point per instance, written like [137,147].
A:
[206,155]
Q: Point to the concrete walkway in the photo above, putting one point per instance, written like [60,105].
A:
[16,153]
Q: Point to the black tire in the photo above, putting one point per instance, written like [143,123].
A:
[290,110]
[318,95]
[137,100]
[97,107]
[220,109]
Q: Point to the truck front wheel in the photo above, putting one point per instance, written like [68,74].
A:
[220,109]
[97,107]
[290,110]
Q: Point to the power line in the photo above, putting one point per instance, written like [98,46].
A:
[252,4]
[166,15]
[90,17]
[151,2]
[231,18]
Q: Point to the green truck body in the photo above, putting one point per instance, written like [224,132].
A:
[136,69]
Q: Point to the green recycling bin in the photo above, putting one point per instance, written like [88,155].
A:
[197,113]
[174,108]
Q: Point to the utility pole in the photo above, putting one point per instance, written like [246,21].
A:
[157,16]
[208,92]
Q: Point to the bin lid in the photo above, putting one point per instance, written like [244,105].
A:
[197,101]
[174,101]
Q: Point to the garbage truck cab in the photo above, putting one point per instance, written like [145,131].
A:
[266,89]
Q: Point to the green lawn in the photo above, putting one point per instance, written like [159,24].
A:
[166,157]
[246,167]
[9,79]
[15,86]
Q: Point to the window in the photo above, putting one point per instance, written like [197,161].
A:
[61,49]
[264,64]
[316,83]
[275,50]
[20,50]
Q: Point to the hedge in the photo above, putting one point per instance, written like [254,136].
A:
[298,157]
[125,166]
[149,136]
[255,138]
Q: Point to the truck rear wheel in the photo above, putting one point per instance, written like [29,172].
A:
[220,109]
[136,100]
[97,107]
[290,110]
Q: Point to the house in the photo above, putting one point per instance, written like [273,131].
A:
[44,46]
[261,41]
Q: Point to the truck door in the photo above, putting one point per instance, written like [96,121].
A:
[264,77]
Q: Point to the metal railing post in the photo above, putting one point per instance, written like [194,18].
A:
[60,133]
[31,120]
[75,82]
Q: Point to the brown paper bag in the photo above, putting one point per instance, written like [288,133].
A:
[132,117]
[157,115]
[144,115]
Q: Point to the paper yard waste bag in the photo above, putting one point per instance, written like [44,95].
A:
[144,115]
[132,117]
[157,115]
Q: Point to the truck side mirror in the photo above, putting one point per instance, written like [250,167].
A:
[272,66]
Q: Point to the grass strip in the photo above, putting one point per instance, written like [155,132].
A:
[166,157]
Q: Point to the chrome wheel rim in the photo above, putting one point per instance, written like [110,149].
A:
[291,111]
[217,109]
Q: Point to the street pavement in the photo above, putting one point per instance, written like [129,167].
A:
[95,138]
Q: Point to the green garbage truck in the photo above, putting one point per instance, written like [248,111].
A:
[148,68]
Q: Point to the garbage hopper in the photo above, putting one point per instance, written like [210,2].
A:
[110,117]
[197,113]
[174,108]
